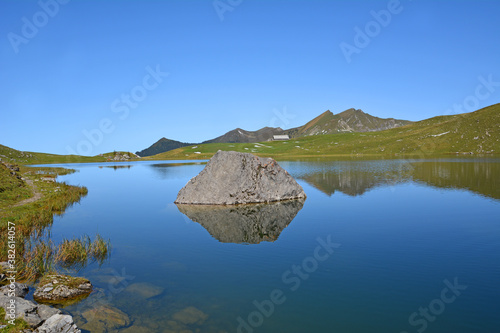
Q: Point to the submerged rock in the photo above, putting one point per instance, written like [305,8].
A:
[136,329]
[144,290]
[250,224]
[59,289]
[190,315]
[239,178]
[104,318]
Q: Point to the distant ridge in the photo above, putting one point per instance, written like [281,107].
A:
[162,146]
[350,120]
[241,136]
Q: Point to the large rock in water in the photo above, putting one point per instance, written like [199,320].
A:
[239,178]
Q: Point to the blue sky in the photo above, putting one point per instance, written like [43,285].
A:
[96,76]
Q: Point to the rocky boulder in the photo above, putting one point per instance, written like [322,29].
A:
[24,309]
[34,314]
[15,289]
[238,178]
[58,323]
[39,317]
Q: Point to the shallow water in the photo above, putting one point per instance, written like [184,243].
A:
[371,249]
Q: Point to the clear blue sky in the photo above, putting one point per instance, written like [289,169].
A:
[266,63]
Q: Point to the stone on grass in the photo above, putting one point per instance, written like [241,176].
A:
[239,178]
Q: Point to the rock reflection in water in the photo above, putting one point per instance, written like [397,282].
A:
[250,224]
[116,167]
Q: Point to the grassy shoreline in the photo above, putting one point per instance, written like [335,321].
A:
[35,253]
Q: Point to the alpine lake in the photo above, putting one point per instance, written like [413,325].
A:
[378,246]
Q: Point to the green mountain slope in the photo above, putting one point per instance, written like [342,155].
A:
[161,146]
[10,155]
[348,121]
[469,133]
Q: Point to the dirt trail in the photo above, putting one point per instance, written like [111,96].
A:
[36,195]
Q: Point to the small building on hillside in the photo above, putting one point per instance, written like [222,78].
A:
[281,137]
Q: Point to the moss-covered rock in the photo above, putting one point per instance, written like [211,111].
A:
[62,289]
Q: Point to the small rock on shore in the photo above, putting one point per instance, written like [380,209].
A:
[41,318]
[57,289]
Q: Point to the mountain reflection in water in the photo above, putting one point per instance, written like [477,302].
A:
[354,178]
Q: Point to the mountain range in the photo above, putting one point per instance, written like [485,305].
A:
[470,133]
[351,120]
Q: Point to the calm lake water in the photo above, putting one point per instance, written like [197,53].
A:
[378,246]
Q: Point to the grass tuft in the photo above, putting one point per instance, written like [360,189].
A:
[77,253]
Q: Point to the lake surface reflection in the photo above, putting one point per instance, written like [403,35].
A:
[355,178]
[374,243]
[250,224]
